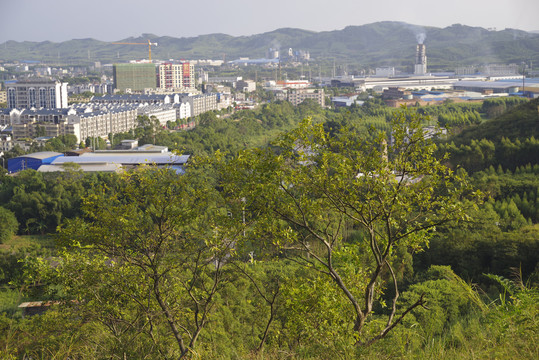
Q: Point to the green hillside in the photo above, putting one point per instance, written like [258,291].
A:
[509,141]
[519,122]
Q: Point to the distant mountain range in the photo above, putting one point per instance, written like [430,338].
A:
[377,44]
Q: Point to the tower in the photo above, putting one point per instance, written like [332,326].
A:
[420,60]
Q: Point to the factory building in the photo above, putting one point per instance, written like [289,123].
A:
[31,161]
[103,161]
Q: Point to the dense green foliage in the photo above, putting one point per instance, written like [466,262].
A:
[519,121]
[135,268]
[41,201]
[243,129]
[8,224]
[482,154]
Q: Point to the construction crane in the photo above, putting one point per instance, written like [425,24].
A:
[149,46]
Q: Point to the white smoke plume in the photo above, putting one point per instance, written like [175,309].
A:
[275,44]
[419,32]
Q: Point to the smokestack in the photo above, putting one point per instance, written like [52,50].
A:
[420,60]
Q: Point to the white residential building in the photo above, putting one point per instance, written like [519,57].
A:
[298,96]
[36,93]
[83,122]
[177,76]
[163,113]
[183,109]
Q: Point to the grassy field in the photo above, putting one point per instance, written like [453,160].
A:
[28,241]
[10,252]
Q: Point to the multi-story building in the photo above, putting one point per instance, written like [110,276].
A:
[296,97]
[6,143]
[113,120]
[395,93]
[104,88]
[163,113]
[224,100]
[183,109]
[136,99]
[135,77]
[198,104]
[385,72]
[202,103]
[36,93]
[5,116]
[177,76]
[246,85]
[83,122]
[294,84]
[465,70]
[499,69]
[232,80]
[32,123]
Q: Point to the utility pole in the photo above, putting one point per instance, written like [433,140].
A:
[523,76]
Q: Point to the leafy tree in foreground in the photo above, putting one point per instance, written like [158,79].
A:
[318,185]
[146,260]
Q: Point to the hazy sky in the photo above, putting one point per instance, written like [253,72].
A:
[108,20]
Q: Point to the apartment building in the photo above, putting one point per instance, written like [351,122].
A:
[163,113]
[183,109]
[177,76]
[136,99]
[202,103]
[113,120]
[36,93]
[83,122]
[246,85]
[298,96]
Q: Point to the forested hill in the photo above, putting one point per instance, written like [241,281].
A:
[519,122]
[377,44]
[510,140]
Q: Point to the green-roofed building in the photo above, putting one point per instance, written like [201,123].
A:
[136,77]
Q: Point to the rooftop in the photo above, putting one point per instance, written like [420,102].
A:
[42,155]
[125,158]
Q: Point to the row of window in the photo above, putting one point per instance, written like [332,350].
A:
[32,99]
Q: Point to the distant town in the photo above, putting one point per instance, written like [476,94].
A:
[37,104]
